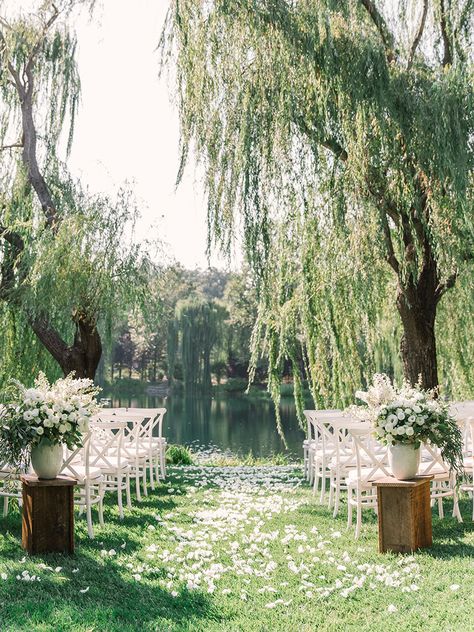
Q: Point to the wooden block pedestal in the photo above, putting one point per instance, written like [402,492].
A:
[48,515]
[404,513]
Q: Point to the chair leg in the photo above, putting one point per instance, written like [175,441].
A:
[137,483]
[5,506]
[311,469]
[337,496]
[145,490]
[150,468]
[359,516]
[349,507]
[456,510]
[323,483]
[127,490]
[315,482]
[332,482]
[89,512]
[101,512]
[119,496]
[440,507]
[163,461]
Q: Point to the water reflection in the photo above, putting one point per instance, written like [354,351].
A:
[238,424]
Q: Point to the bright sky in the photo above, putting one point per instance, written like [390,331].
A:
[127,130]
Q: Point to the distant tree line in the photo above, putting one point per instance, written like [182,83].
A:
[194,329]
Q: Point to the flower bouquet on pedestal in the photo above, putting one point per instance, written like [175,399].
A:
[405,418]
[36,423]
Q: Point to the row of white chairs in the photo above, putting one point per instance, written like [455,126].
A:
[341,450]
[121,444]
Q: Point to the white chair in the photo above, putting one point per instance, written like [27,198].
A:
[10,486]
[106,453]
[134,453]
[151,438]
[468,485]
[443,484]
[76,464]
[371,464]
[312,445]
[344,459]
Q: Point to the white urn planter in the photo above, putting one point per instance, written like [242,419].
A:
[47,458]
[404,460]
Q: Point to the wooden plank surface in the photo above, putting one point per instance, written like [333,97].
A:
[404,515]
[391,481]
[31,480]
[48,516]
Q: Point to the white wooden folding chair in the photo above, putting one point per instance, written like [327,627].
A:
[151,437]
[76,464]
[468,484]
[136,455]
[9,486]
[107,454]
[314,451]
[371,464]
[344,459]
[443,484]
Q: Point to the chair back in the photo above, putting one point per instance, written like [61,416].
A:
[77,458]
[371,463]
[106,445]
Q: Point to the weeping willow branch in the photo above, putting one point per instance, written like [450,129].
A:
[381,26]
[419,34]
[448,53]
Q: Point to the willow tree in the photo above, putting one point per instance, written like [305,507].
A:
[64,258]
[198,326]
[339,134]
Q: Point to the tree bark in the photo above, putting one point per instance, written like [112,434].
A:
[417,305]
[83,356]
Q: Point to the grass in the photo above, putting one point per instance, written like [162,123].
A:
[237,549]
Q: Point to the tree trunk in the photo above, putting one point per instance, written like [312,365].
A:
[83,356]
[417,308]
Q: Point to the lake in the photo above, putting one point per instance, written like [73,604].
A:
[230,424]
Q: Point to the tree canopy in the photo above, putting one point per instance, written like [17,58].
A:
[338,133]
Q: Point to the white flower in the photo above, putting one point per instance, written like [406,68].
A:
[39,430]
[62,428]
[400,415]
[392,608]
[409,431]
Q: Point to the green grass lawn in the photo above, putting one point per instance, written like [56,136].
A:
[237,549]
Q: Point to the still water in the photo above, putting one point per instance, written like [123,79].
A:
[232,424]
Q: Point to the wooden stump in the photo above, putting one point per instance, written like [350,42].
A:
[48,515]
[404,513]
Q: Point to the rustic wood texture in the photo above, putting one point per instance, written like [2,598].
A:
[48,515]
[404,514]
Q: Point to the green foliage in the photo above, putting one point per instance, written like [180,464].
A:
[340,146]
[236,385]
[179,455]
[199,323]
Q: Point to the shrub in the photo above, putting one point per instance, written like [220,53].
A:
[179,455]
[236,385]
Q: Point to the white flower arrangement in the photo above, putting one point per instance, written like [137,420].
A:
[411,415]
[59,412]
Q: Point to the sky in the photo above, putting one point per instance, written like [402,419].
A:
[127,128]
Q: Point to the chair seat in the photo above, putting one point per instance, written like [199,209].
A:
[437,470]
[110,464]
[79,472]
[352,476]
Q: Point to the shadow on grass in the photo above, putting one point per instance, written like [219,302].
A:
[114,599]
